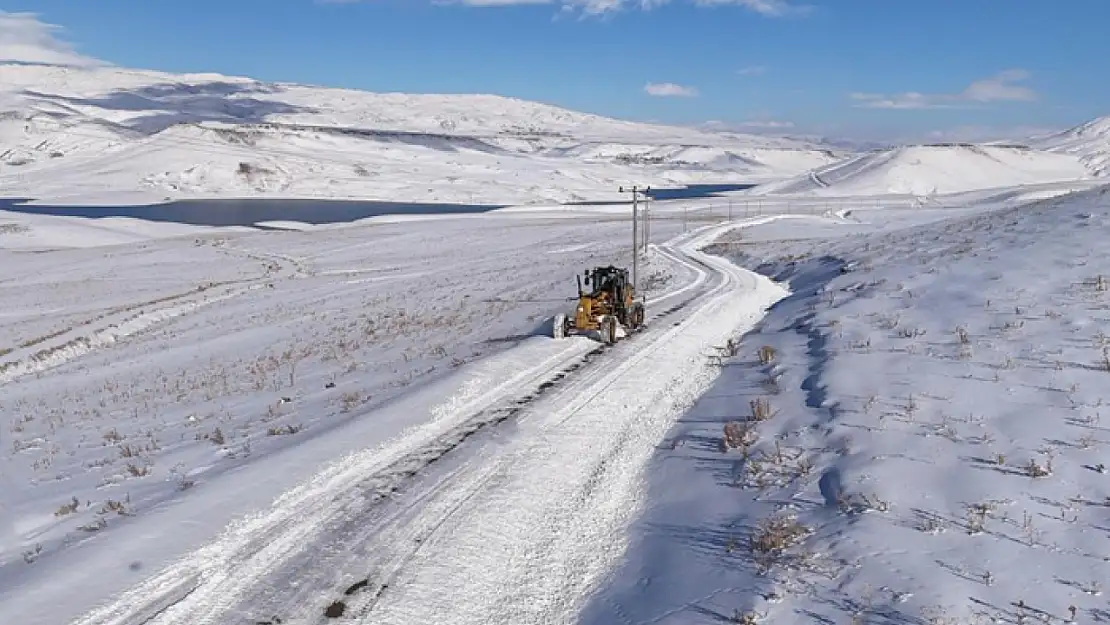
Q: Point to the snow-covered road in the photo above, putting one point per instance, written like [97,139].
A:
[516,526]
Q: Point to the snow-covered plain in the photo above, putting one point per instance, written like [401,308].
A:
[912,436]
[136,375]
[184,379]
[69,134]
[179,382]
[219,425]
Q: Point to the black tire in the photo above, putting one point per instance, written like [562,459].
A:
[609,330]
[637,316]
[559,326]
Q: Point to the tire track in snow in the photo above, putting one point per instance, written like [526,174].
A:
[102,332]
[484,477]
[312,535]
[405,542]
[122,322]
[218,574]
[205,585]
[385,544]
[550,519]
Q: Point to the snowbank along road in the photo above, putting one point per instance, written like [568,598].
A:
[514,527]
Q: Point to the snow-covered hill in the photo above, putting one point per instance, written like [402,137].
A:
[1089,141]
[913,436]
[925,170]
[79,133]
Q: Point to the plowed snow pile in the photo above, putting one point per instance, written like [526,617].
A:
[913,436]
[931,170]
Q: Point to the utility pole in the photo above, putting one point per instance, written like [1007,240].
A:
[636,191]
[647,222]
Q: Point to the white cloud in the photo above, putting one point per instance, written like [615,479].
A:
[998,88]
[499,3]
[669,90]
[989,133]
[767,124]
[1001,88]
[756,126]
[769,8]
[752,70]
[25,39]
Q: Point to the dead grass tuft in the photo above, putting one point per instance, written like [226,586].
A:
[766,355]
[774,536]
[68,508]
[284,430]
[761,409]
[738,435]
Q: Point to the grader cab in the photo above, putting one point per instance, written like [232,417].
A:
[606,300]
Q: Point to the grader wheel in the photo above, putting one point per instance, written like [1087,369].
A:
[559,326]
[636,316]
[608,327]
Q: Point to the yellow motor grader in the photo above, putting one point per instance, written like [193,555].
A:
[607,300]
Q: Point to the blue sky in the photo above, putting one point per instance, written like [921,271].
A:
[858,68]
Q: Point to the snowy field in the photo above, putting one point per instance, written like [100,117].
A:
[120,362]
[160,386]
[869,390]
[912,436]
[225,425]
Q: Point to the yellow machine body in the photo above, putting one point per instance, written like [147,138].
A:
[609,300]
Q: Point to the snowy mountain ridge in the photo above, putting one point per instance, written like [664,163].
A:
[128,96]
[71,132]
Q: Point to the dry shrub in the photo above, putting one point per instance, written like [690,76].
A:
[738,435]
[118,507]
[68,508]
[1037,470]
[766,355]
[283,430]
[761,409]
[350,400]
[137,471]
[773,536]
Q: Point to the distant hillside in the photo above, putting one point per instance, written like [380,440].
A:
[924,170]
[72,133]
[1089,141]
